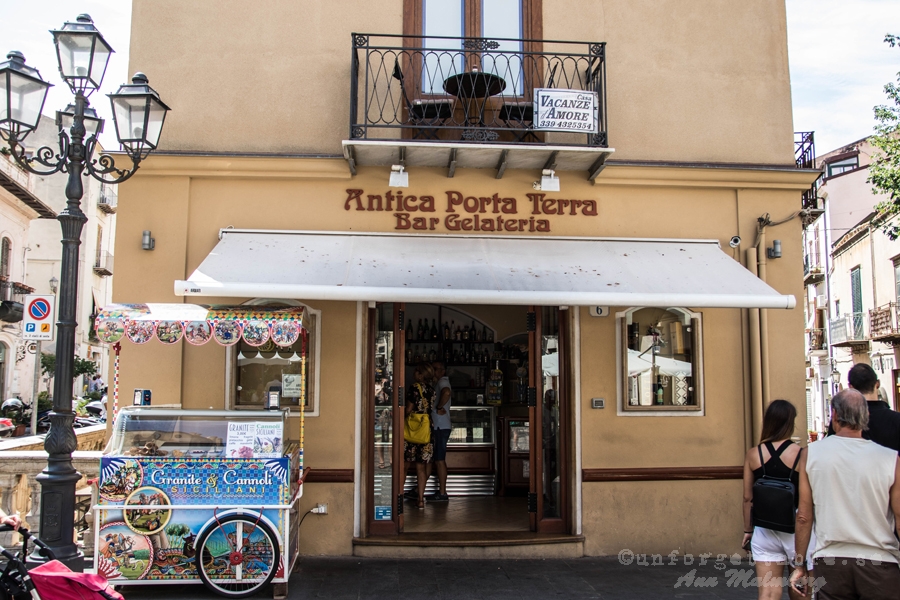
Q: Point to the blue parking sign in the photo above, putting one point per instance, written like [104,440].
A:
[29,327]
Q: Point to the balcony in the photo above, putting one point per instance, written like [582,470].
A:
[849,330]
[813,270]
[884,324]
[103,264]
[816,340]
[473,102]
[108,200]
[805,158]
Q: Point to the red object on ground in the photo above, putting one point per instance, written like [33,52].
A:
[54,580]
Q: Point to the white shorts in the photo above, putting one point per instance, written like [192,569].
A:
[768,545]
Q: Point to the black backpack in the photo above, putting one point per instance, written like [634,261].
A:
[774,504]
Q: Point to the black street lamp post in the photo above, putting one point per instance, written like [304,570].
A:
[138,114]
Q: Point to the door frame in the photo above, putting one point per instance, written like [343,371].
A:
[540,523]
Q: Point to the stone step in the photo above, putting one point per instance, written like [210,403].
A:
[471,545]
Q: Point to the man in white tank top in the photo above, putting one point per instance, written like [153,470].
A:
[850,492]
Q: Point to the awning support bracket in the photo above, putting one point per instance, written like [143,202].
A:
[451,166]
[597,167]
[501,165]
[551,161]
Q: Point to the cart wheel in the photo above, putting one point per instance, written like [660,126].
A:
[236,556]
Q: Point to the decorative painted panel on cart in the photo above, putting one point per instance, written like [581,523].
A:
[152,542]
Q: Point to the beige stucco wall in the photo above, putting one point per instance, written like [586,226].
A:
[706,80]
[185,201]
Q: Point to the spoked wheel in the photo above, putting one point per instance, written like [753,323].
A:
[237,555]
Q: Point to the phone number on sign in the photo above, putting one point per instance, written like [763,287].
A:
[565,125]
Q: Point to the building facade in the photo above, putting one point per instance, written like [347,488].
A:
[20,208]
[96,259]
[630,315]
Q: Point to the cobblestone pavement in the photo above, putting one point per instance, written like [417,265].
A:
[411,579]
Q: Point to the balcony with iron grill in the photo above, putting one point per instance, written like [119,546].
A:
[884,324]
[103,264]
[108,200]
[849,331]
[813,269]
[816,341]
[477,103]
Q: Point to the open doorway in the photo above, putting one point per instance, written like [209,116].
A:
[505,459]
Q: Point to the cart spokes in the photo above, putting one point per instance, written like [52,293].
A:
[237,555]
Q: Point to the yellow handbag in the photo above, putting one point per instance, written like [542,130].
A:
[417,429]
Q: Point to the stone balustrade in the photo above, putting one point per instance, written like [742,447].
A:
[19,493]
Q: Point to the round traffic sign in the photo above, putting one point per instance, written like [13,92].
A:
[39,309]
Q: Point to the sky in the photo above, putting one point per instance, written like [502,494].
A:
[839,62]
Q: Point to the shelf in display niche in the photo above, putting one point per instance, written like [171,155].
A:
[452,364]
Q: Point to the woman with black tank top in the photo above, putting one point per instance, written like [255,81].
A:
[775,457]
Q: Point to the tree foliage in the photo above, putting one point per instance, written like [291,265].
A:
[884,170]
[82,366]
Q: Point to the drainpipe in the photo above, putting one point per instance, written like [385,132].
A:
[763,318]
[756,396]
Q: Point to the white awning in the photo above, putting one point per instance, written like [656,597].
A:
[462,269]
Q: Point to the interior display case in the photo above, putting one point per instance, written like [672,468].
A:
[199,495]
[471,426]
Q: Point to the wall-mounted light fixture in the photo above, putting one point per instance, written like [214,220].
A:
[399,177]
[775,250]
[148,242]
[54,284]
[549,181]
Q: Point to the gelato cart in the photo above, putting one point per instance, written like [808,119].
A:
[205,496]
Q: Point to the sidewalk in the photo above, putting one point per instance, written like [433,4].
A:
[578,579]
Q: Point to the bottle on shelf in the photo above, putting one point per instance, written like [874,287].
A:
[484,333]
[457,335]
[417,356]
[434,330]
[420,331]
[474,334]
[409,330]
[446,330]
[432,355]
[409,354]
[468,357]
[494,388]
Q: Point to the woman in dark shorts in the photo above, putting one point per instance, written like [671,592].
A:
[419,399]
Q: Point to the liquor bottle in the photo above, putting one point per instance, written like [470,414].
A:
[494,388]
[475,334]
[434,330]
[484,334]
[446,354]
[409,331]
[468,354]
[465,334]
[409,354]
[457,335]
[432,355]
[417,356]
[446,330]
[420,331]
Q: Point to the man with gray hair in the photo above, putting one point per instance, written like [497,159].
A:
[850,491]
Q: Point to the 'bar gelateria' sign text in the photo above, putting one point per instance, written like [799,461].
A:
[457,212]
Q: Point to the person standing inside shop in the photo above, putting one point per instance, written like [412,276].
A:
[420,400]
[440,422]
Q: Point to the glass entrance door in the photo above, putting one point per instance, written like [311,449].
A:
[549,414]
[385,393]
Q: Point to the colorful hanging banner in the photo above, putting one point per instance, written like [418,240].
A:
[198,324]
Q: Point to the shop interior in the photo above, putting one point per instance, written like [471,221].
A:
[485,350]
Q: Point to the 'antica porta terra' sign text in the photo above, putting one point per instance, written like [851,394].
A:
[458,212]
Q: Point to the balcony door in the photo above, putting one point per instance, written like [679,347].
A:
[857,303]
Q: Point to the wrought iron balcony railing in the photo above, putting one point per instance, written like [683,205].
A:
[884,323]
[815,339]
[469,89]
[108,200]
[805,158]
[849,329]
[103,264]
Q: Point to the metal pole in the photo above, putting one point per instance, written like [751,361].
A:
[58,480]
[34,387]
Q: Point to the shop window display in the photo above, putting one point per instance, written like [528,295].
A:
[289,370]
[661,355]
